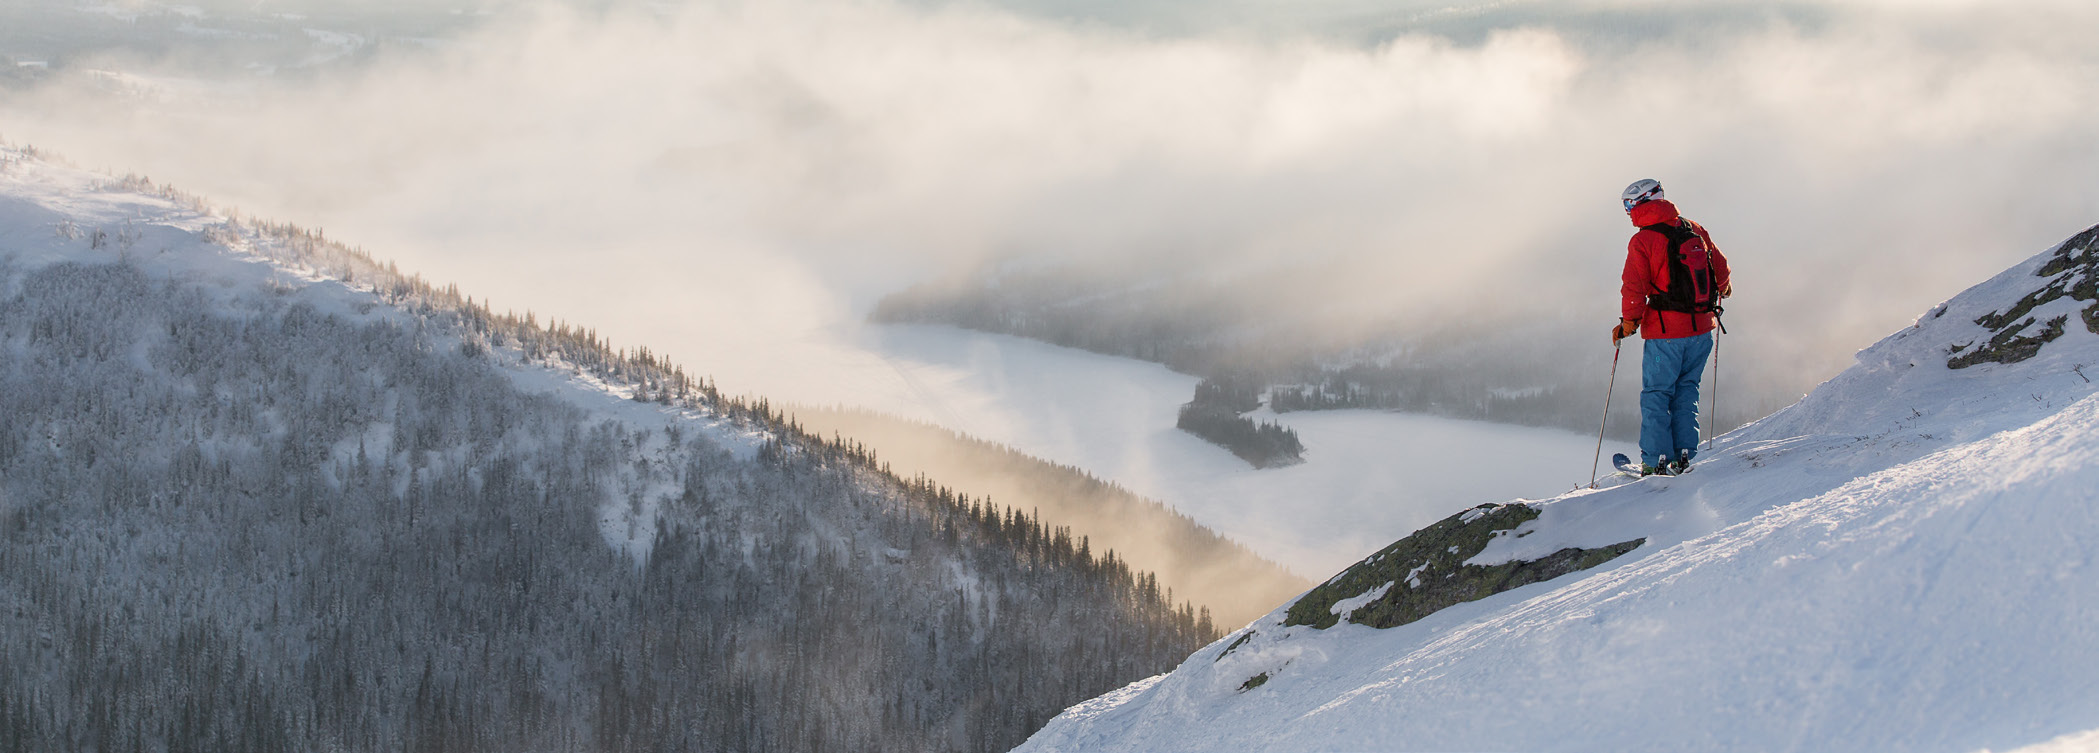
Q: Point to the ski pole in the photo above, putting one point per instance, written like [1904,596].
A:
[1714,432]
[1616,349]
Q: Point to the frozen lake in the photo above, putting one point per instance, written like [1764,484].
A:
[1369,478]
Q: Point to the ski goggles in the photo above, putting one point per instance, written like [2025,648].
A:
[1634,201]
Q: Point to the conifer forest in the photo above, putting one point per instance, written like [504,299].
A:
[261,520]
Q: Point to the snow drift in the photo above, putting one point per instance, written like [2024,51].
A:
[1900,561]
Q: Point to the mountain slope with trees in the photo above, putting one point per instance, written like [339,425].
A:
[1190,559]
[260,493]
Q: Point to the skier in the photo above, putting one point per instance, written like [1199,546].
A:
[1673,282]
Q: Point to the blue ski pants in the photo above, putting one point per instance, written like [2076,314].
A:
[1670,369]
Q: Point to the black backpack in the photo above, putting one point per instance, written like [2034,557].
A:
[1690,272]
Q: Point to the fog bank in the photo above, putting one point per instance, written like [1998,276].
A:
[734,183]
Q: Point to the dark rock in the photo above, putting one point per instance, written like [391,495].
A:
[2073,272]
[1243,638]
[1435,558]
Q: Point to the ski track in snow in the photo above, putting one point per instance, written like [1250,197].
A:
[1903,561]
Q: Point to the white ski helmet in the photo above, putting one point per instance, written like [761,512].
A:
[1640,192]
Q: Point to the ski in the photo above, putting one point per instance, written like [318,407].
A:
[1626,467]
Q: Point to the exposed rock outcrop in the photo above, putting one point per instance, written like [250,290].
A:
[1426,572]
[2073,272]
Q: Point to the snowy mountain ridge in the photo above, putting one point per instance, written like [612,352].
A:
[131,220]
[1900,561]
[260,492]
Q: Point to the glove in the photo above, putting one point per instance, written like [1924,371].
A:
[1626,328]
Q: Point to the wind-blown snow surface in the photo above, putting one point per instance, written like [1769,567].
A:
[1902,561]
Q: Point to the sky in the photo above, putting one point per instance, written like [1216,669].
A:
[735,183]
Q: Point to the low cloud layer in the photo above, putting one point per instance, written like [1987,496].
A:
[728,182]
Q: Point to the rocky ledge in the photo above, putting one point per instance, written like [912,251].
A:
[1426,572]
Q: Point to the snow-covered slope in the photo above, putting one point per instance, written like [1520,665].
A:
[1902,561]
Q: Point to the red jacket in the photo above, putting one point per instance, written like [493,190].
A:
[1647,273]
